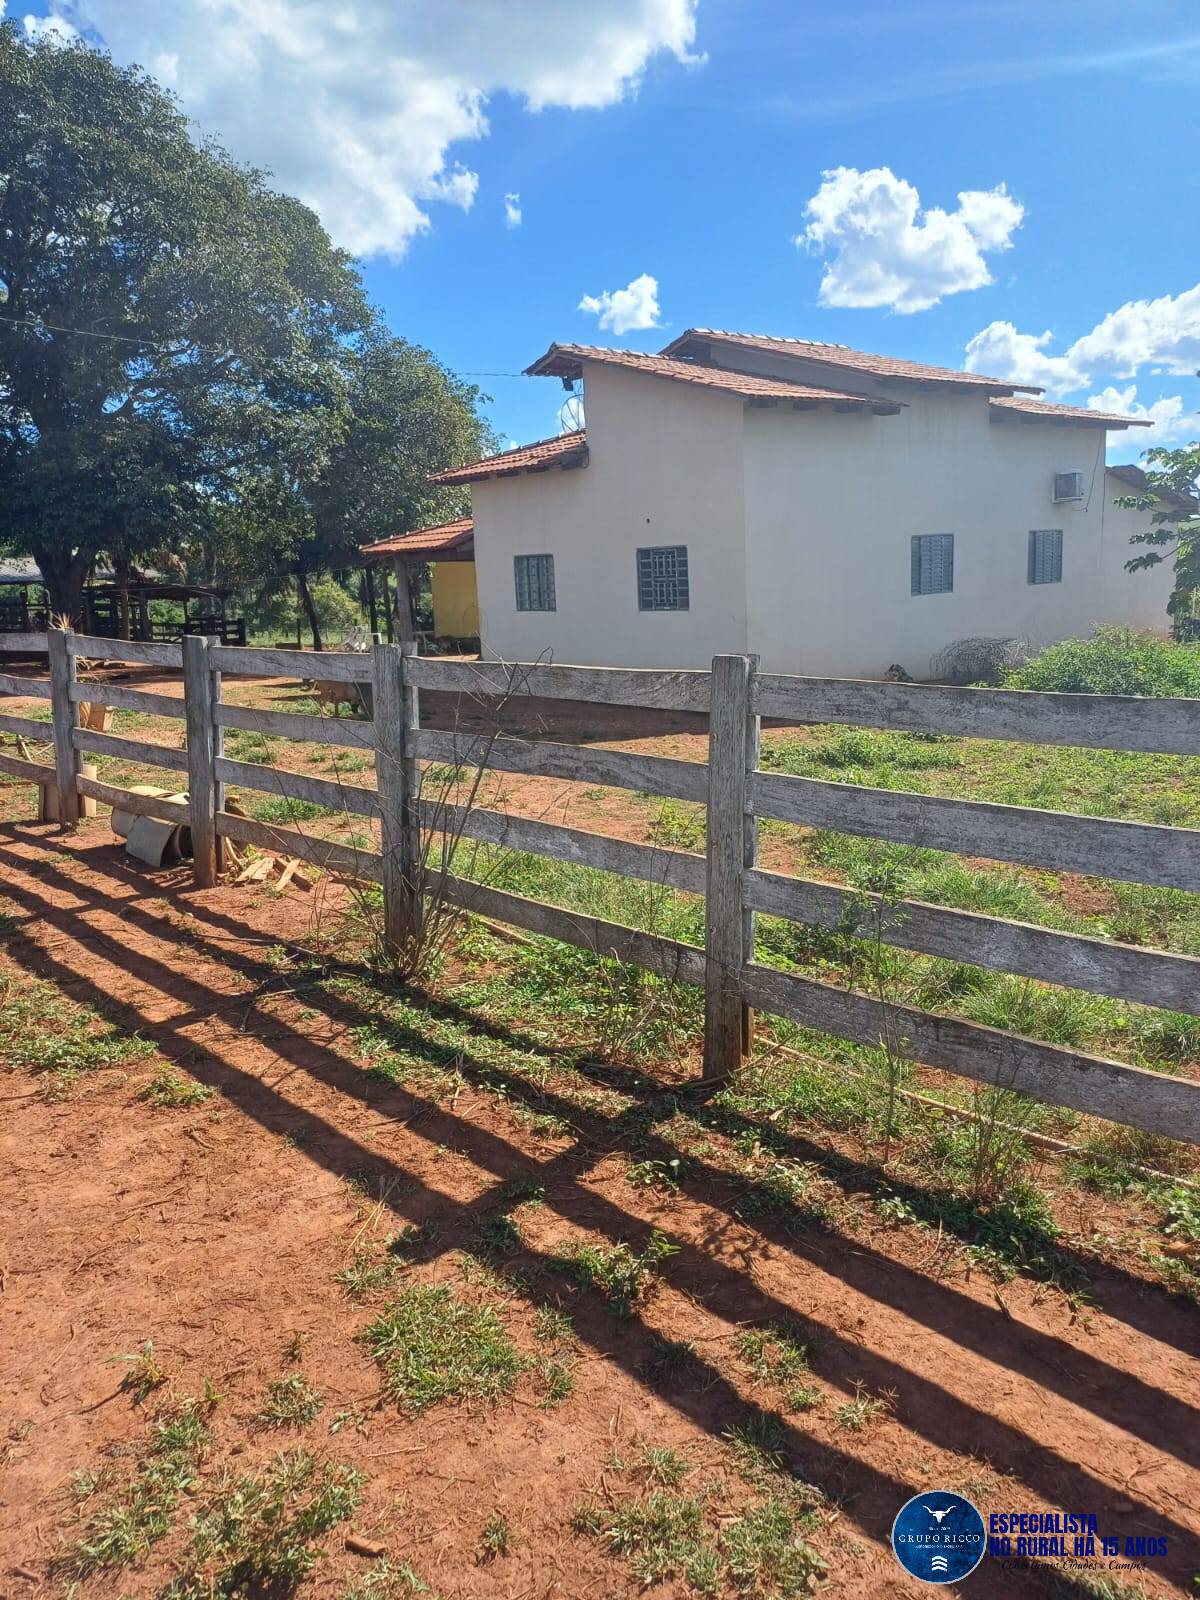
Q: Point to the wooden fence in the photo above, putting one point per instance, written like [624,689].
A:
[736,792]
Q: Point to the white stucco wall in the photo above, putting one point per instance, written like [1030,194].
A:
[832,503]
[798,527]
[665,468]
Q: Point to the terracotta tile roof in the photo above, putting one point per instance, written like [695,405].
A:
[1043,408]
[1135,479]
[565,361]
[695,340]
[569,449]
[423,542]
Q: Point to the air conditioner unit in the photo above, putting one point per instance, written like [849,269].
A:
[1068,486]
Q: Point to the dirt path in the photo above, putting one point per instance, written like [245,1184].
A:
[217,1234]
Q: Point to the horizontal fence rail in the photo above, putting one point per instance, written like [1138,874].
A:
[1097,722]
[414,870]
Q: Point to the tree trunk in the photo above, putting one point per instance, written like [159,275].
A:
[64,578]
[310,610]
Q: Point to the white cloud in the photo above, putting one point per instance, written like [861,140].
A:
[887,252]
[1001,352]
[635,306]
[1163,334]
[357,107]
[56,29]
[512,210]
[1171,421]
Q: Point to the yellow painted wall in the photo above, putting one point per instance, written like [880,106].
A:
[455,599]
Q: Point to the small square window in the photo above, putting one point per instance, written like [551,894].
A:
[1045,555]
[662,578]
[932,563]
[535,583]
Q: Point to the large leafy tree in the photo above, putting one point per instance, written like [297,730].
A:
[303,512]
[170,327]
[1174,532]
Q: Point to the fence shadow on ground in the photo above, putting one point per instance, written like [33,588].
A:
[104,884]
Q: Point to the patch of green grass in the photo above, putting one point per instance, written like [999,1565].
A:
[124,1527]
[44,1033]
[257,1533]
[291,1402]
[171,1090]
[864,1409]
[553,1326]
[243,744]
[558,1380]
[664,1466]
[775,1354]
[144,1373]
[433,1347]
[388,1580]
[279,808]
[624,1276]
[364,1275]
[496,1538]
[666,1535]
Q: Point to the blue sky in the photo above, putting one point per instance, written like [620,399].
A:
[686,143]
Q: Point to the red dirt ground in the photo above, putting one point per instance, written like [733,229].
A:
[217,1232]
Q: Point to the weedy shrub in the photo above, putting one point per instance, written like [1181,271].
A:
[257,1533]
[292,1402]
[433,1347]
[625,1277]
[1113,661]
[124,1527]
[169,1089]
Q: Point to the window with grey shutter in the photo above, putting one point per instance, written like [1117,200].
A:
[535,583]
[662,578]
[932,563]
[1045,555]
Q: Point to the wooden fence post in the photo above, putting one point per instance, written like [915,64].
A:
[65,716]
[750,849]
[398,779]
[731,742]
[198,691]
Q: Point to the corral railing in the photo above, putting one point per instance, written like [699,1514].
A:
[736,793]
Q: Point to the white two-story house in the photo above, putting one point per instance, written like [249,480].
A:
[833,512]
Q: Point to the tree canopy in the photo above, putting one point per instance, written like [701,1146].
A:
[184,355]
[1174,532]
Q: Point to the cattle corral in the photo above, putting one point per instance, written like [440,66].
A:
[1017,1386]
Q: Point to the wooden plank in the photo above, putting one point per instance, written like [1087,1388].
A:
[202,774]
[395,771]
[122,749]
[1098,722]
[154,655]
[616,769]
[609,686]
[66,724]
[298,786]
[723,921]
[1136,852]
[1100,966]
[27,771]
[28,688]
[138,805]
[298,725]
[669,958]
[23,644]
[335,666]
[340,858]
[122,699]
[26,727]
[674,869]
[1061,1077]
[750,850]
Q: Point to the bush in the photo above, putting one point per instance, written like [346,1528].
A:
[1113,661]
